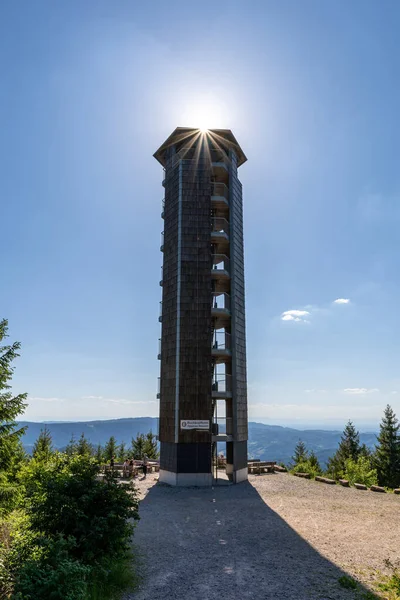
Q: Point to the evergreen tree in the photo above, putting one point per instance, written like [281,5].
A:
[121,454]
[43,447]
[110,449]
[71,447]
[387,453]
[300,453]
[99,454]
[84,447]
[10,406]
[349,448]
[314,462]
[138,445]
[151,446]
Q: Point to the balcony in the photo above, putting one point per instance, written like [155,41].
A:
[162,277]
[219,196]
[162,208]
[222,428]
[219,230]
[219,160]
[162,242]
[160,314]
[164,177]
[221,267]
[159,388]
[221,344]
[159,349]
[221,386]
[221,305]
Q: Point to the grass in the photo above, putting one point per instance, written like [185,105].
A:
[121,576]
[348,583]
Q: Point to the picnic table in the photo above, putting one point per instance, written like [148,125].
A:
[256,467]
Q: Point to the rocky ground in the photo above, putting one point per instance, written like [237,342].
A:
[275,537]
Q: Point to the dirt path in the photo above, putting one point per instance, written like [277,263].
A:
[276,537]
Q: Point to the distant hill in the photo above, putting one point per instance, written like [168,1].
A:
[268,442]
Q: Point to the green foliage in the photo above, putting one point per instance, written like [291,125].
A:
[137,448]
[99,454]
[122,452]
[10,406]
[306,467]
[349,447]
[83,447]
[348,583]
[64,497]
[300,453]
[150,446]
[43,448]
[53,574]
[314,462]
[387,453]
[360,471]
[71,447]
[110,449]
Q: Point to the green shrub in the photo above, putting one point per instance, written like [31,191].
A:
[360,471]
[54,575]
[306,467]
[65,497]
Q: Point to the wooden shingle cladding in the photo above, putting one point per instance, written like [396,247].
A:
[195,367]
[239,361]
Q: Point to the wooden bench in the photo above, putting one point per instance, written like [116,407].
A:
[258,467]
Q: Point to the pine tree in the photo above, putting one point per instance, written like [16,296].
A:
[387,452]
[43,447]
[151,446]
[10,406]
[110,449]
[121,454]
[71,447]
[300,453]
[84,447]
[137,448]
[314,462]
[99,454]
[349,448]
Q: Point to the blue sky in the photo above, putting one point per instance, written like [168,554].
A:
[90,90]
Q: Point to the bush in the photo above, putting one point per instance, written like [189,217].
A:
[306,467]
[65,497]
[54,575]
[360,471]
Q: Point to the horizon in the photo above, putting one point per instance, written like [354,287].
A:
[309,94]
[303,427]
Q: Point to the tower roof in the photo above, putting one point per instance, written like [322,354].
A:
[182,135]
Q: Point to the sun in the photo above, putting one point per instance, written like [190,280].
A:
[204,113]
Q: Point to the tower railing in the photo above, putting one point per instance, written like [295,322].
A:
[220,189]
[220,225]
[221,301]
[220,262]
[221,340]
[222,382]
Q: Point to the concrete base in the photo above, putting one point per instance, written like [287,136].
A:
[186,479]
[241,475]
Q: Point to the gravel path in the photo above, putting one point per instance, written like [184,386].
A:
[276,537]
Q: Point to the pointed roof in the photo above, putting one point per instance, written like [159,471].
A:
[224,137]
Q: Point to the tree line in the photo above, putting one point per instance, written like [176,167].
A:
[143,444]
[64,532]
[356,462]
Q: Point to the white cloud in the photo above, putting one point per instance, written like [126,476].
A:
[295,315]
[92,397]
[342,301]
[357,391]
[394,392]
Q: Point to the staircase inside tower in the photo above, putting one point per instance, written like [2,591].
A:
[222,422]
